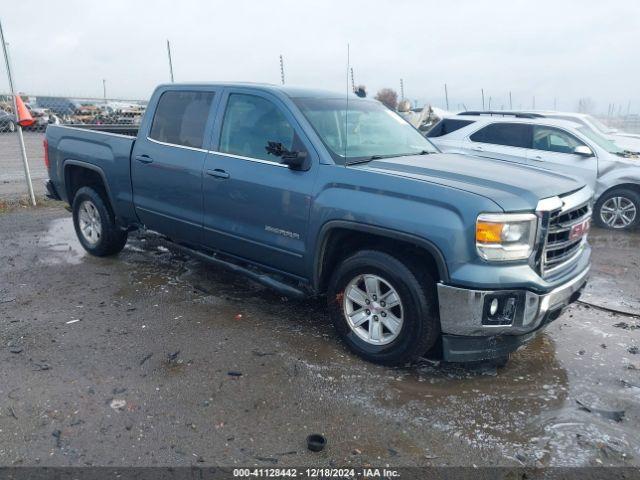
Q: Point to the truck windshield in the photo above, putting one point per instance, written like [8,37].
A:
[608,145]
[371,130]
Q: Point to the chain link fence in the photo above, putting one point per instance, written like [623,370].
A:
[52,110]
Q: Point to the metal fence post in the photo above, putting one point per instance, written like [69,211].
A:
[23,151]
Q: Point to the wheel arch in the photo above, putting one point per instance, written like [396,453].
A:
[78,174]
[339,238]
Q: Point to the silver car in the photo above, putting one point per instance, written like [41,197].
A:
[561,145]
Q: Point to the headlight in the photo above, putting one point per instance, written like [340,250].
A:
[506,236]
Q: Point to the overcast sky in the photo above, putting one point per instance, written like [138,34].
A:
[547,49]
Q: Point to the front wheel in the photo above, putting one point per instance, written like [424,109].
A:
[618,209]
[95,224]
[383,309]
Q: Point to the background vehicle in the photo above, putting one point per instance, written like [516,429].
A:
[7,122]
[558,145]
[413,253]
[43,117]
[626,141]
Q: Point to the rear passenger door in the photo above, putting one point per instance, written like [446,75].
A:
[167,161]
[254,206]
[507,141]
[553,149]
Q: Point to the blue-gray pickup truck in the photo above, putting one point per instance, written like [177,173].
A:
[317,193]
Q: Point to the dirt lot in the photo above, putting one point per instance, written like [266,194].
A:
[151,358]
[12,182]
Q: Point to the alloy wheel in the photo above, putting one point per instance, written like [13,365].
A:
[373,309]
[618,212]
[89,222]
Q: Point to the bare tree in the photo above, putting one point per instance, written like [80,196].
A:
[586,105]
[389,97]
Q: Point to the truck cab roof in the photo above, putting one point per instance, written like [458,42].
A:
[289,91]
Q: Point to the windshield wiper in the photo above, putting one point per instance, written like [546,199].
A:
[380,157]
[365,160]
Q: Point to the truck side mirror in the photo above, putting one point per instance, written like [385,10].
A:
[295,160]
[583,151]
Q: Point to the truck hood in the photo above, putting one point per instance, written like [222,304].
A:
[513,187]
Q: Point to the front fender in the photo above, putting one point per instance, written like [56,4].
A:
[615,175]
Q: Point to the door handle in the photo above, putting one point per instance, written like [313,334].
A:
[218,173]
[537,158]
[144,159]
[478,149]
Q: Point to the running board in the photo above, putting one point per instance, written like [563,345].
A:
[262,278]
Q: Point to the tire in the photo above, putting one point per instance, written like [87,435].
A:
[95,223]
[623,201]
[11,127]
[420,325]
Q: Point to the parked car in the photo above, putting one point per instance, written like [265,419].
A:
[7,122]
[414,252]
[558,145]
[42,118]
[626,141]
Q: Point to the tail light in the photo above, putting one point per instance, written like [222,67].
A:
[45,144]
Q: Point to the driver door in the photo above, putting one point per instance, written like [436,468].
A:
[254,206]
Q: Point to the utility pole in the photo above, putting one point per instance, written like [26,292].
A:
[170,62]
[23,151]
[104,90]
[281,69]
[482,91]
[353,83]
[510,102]
[446,96]
[401,89]
[489,102]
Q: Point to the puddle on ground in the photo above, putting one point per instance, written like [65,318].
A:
[62,243]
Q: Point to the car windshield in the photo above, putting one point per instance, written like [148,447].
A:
[367,131]
[602,142]
[601,127]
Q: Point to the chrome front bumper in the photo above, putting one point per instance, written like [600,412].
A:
[461,310]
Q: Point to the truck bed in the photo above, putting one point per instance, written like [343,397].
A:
[104,149]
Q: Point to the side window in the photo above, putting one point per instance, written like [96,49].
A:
[181,117]
[446,126]
[249,123]
[508,134]
[554,140]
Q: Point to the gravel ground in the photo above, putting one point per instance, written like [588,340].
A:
[12,181]
[152,358]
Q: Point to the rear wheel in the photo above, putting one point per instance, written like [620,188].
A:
[95,224]
[11,127]
[618,209]
[384,310]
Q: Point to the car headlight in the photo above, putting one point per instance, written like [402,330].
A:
[506,236]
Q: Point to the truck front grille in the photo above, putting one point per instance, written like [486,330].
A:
[562,246]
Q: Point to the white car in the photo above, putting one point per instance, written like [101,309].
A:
[626,141]
[559,145]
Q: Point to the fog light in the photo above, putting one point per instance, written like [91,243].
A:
[502,309]
[494,307]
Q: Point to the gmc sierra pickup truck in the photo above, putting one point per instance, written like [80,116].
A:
[313,193]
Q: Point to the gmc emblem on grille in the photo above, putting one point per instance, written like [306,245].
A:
[580,230]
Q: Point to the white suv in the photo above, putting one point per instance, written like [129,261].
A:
[626,141]
[560,145]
